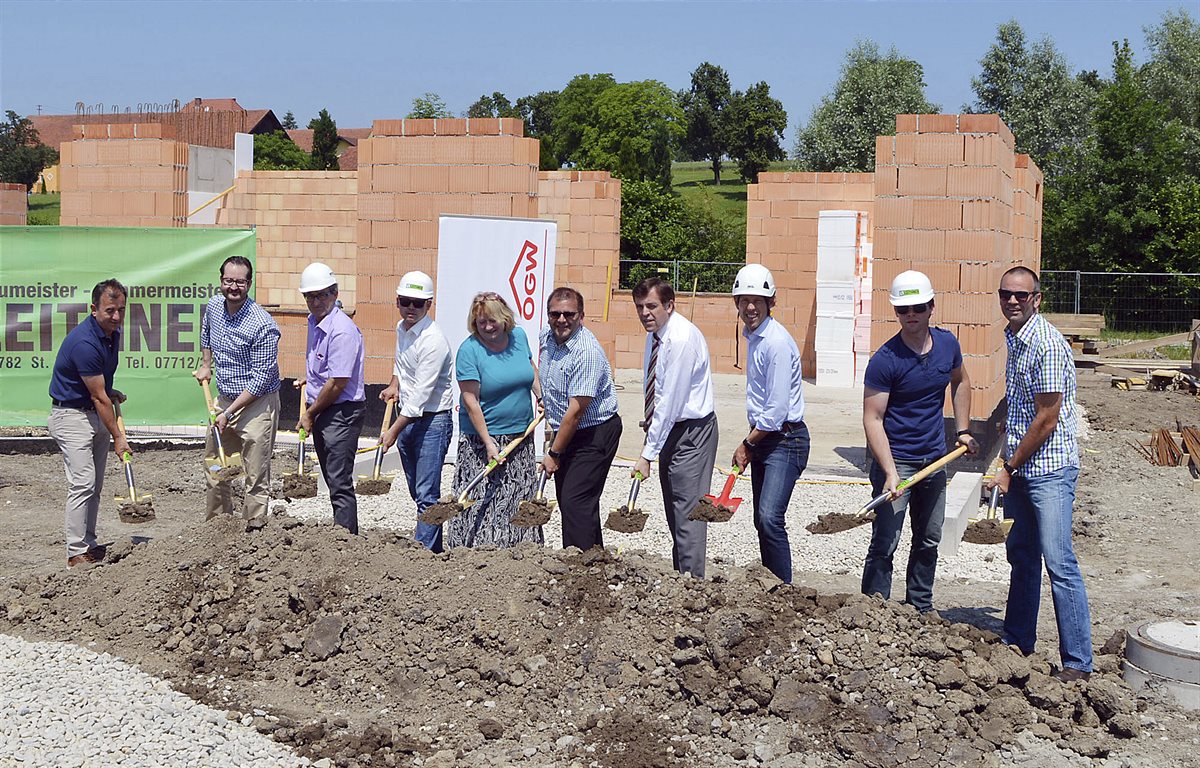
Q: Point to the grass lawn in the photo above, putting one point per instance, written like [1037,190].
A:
[694,181]
[44,209]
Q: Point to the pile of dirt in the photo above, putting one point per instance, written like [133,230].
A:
[373,487]
[626,520]
[135,512]
[532,513]
[712,513]
[836,522]
[447,508]
[296,486]
[985,531]
[370,650]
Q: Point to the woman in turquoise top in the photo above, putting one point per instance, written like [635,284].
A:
[496,376]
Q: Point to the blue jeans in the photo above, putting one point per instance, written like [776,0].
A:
[422,445]
[775,466]
[1040,508]
[926,504]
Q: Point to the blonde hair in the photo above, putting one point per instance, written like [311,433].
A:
[492,304]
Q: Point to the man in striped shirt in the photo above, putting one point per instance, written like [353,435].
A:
[240,344]
[1039,476]
[581,406]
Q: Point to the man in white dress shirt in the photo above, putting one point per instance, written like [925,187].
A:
[680,421]
[421,385]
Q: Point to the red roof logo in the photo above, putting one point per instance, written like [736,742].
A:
[524,280]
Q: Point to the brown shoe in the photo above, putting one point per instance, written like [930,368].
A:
[1070,675]
[87,558]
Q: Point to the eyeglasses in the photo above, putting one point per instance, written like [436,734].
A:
[233,281]
[486,296]
[1018,295]
[555,314]
[317,295]
[405,302]
[914,309]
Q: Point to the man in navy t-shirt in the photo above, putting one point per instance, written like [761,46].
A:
[903,397]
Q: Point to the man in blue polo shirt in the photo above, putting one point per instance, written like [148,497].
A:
[903,399]
[241,342]
[581,406]
[82,417]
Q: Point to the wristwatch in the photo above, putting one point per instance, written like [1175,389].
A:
[749,445]
[962,432]
[553,454]
[1010,469]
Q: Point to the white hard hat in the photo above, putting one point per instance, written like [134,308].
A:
[754,280]
[415,285]
[910,287]
[315,277]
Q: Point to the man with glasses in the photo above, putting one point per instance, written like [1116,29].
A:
[240,344]
[336,393]
[423,388]
[904,395]
[581,405]
[1038,478]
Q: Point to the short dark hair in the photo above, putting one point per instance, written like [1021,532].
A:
[1037,283]
[565,292]
[666,293]
[240,261]
[113,285]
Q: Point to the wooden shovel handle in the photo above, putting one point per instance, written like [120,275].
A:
[388,410]
[934,467]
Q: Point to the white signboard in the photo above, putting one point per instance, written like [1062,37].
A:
[513,257]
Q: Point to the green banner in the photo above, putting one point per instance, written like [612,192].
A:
[46,280]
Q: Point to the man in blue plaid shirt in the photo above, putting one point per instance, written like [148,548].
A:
[1039,476]
[240,343]
[581,405]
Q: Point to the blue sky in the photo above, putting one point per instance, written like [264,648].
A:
[367,60]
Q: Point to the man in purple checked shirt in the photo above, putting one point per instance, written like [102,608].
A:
[335,394]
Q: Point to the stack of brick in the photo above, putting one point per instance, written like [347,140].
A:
[1027,213]
[124,175]
[587,208]
[781,233]
[14,204]
[411,172]
[945,206]
[300,217]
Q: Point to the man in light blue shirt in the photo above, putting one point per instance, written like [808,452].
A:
[776,449]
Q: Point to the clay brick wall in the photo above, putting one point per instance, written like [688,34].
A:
[124,175]
[410,172]
[300,217]
[782,211]
[950,202]
[14,204]
[587,207]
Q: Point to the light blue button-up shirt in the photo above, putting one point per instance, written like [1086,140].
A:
[773,377]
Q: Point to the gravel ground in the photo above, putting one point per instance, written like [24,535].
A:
[66,706]
[735,542]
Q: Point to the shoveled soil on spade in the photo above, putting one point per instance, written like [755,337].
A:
[225,474]
[984,532]
[836,522]
[446,509]
[298,486]
[135,512]
[709,512]
[626,520]
[373,487]
[532,513]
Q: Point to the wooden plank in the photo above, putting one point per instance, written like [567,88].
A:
[1090,324]
[1124,350]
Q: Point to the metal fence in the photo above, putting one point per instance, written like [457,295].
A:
[1130,301]
[704,276]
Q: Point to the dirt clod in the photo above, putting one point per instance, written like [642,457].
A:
[984,532]
[299,486]
[136,512]
[836,522]
[225,474]
[446,509]
[532,513]
[373,487]
[711,513]
[626,520]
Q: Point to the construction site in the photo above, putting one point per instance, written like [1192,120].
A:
[304,644]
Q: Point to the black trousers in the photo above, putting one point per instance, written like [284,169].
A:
[335,436]
[580,479]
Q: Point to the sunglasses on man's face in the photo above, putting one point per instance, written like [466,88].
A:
[1018,295]
[914,309]
[403,302]
[555,314]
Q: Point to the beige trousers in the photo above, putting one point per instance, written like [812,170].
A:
[251,432]
[84,442]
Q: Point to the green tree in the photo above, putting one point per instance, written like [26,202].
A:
[22,153]
[1172,77]
[635,127]
[871,91]
[289,121]
[704,107]
[496,105]
[537,110]
[754,126]
[574,111]
[276,152]
[1032,90]
[1126,204]
[428,105]
[325,141]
